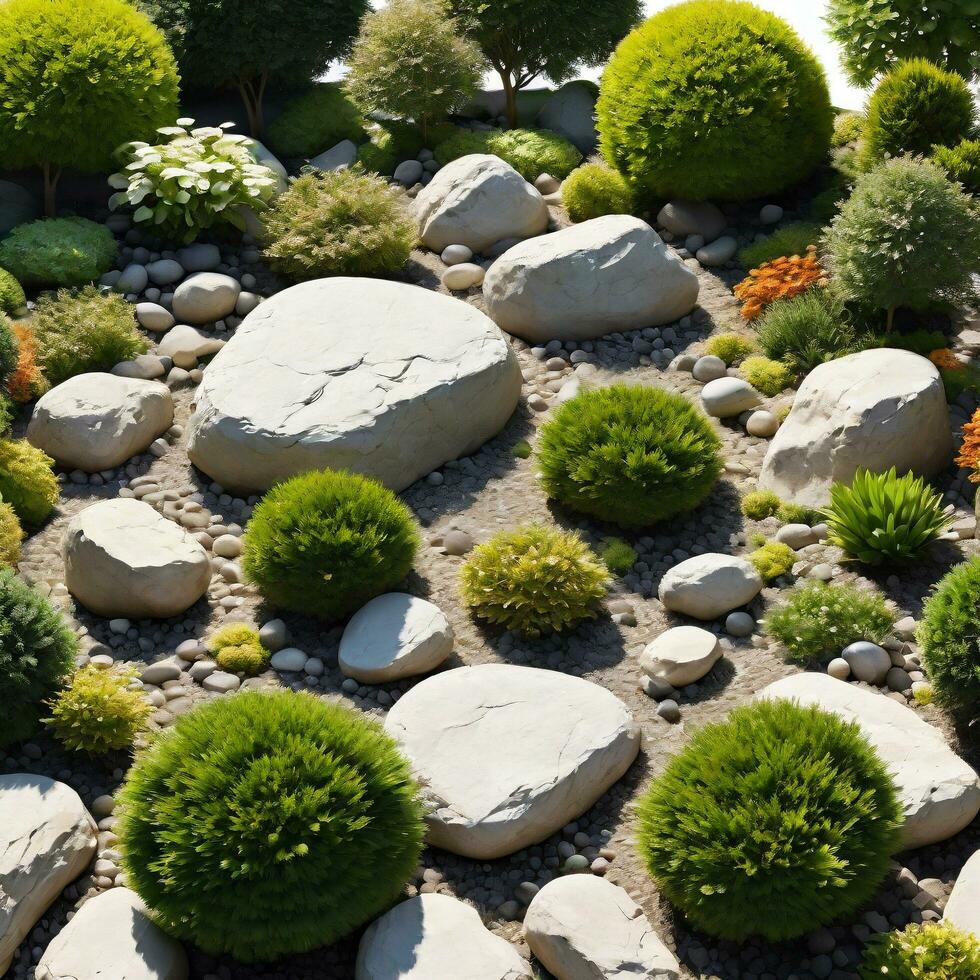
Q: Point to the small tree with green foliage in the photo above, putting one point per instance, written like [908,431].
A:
[874,34]
[526,40]
[410,60]
[76,80]
[248,46]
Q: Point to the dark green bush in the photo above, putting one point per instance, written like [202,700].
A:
[83,331]
[27,480]
[883,517]
[949,635]
[339,224]
[11,293]
[820,619]
[780,807]
[916,106]
[792,239]
[805,331]
[594,189]
[314,122]
[324,543]
[267,824]
[713,99]
[58,252]
[961,162]
[931,951]
[531,152]
[390,143]
[37,650]
[628,454]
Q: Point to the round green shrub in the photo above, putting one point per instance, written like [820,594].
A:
[848,128]
[949,636]
[325,542]
[78,332]
[267,824]
[916,106]
[534,580]
[629,454]
[11,293]
[766,375]
[760,504]
[237,648]
[780,807]
[314,122]
[27,480]
[99,710]
[931,951]
[338,224]
[37,650]
[11,536]
[531,152]
[58,252]
[732,348]
[961,162]
[773,559]
[805,331]
[792,239]
[594,189]
[713,99]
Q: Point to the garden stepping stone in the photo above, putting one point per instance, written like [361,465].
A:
[963,908]
[376,377]
[601,276]
[112,936]
[47,839]
[123,559]
[432,936]
[683,218]
[508,754]
[939,792]
[393,636]
[681,655]
[872,410]
[583,927]
[476,201]
[97,421]
[710,585]
[205,297]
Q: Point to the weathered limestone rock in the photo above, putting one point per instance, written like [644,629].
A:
[377,377]
[681,655]
[710,585]
[963,908]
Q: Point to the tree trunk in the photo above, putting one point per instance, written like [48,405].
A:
[51,175]
[890,322]
[253,96]
[510,94]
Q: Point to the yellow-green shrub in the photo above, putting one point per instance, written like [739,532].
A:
[237,648]
[27,480]
[11,535]
[769,377]
[595,189]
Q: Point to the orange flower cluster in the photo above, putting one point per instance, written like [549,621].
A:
[945,360]
[26,381]
[969,457]
[780,279]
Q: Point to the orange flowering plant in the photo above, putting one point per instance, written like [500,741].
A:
[969,457]
[26,380]
[782,278]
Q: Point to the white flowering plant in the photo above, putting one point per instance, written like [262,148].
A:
[193,180]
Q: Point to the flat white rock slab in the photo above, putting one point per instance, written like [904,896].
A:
[582,927]
[939,792]
[436,937]
[508,755]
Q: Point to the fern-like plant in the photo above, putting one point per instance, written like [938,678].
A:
[883,517]
[931,951]
[237,648]
[534,580]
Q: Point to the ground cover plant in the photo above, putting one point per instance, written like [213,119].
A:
[238,648]
[534,580]
[773,559]
[531,152]
[732,348]
[795,810]
[780,279]
[301,816]
[58,252]
[766,375]
[11,293]
[628,454]
[791,239]
[926,951]
[806,331]
[11,535]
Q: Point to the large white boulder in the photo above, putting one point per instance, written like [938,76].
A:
[112,936]
[47,839]
[123,559]
[710,585]
[377,377]
[873,410]
[509,755]
[436,937]
[476,201]
[395,635]
[97,421]
[681,655]
[963,908]
[939,792]
[582,927]
[609,274]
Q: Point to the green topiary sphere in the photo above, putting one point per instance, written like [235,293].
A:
[916,106]
[27,480]
[780,807]
[931,951]
[314,122]
[58,252]
[713,99]
[628,454]
[593,190]
[11,293]
[949,635]
[324,543]
[534,580]
[37,650]
[267,824]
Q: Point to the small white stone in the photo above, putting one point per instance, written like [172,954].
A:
[465,275]
[681,655]
[456,254]
[289,659]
